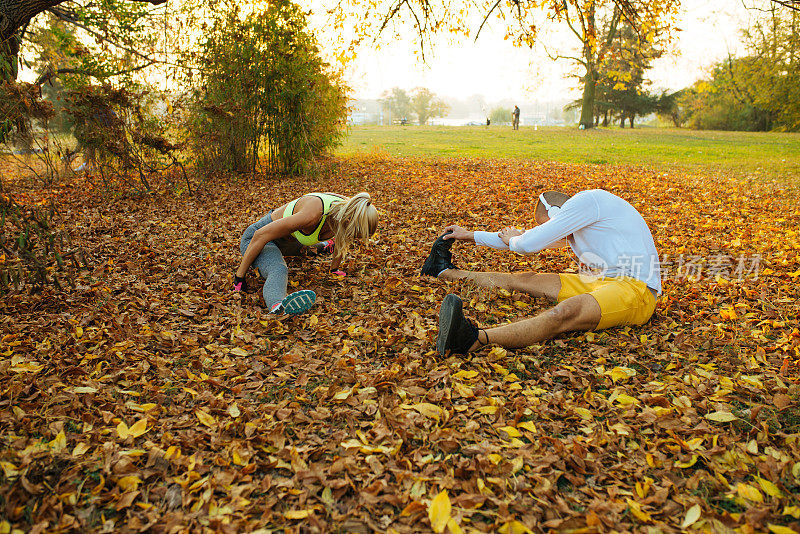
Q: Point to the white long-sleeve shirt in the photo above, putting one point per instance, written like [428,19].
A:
[604,232]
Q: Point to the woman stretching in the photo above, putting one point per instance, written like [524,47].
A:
[310,220]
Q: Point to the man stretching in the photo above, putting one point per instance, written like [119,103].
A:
[605,233]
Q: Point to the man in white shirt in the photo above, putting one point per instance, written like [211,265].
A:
[604,231]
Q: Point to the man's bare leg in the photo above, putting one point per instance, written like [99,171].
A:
[581,312]
[537,284]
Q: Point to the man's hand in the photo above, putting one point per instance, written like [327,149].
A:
[508,232]
[459,233]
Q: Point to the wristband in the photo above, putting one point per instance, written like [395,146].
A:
[239,283]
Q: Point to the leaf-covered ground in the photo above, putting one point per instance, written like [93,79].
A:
[152,398]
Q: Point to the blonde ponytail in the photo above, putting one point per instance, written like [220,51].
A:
[355,219]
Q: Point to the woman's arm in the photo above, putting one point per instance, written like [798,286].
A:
[283,227]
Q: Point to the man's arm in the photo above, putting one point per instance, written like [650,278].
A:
[489,239]
[553,231]
[479,237]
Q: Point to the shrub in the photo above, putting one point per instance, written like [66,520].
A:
[121,137]
[265,91]
[32,251]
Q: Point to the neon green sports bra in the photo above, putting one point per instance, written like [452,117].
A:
[328,199]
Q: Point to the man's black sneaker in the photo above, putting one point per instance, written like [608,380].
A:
[456,333]
[440,257]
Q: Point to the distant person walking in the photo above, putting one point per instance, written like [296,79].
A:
[515,118]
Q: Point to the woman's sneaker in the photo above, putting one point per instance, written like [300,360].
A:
[456,333]
[297,302]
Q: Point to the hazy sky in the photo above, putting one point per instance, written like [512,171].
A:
[496,69]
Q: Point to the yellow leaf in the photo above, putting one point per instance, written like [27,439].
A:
[778,529]
[439,512]
[205,418]
[721,416]
[618,374]
[769,488]
[9,470]
[122,430]
[690,463]
[129,483]
[793,511]
[749,492]
[584,413]
[59,443]
[297,514]
[27,367]
[692,515]
[752,381]
[313,320]
[500,353]
[84,389]
[511,431]
[514,527]
[343,395]
[138,428]
[527,425]
[234,411]
[487,409]
[453,527]
[463,390]
[79,449]
[427,409]
[494,458]
[238,351]
[636,510]
[465,375]
[626,400]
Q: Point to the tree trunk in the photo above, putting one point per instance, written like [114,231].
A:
[605,119]
[631,117]
[14,14]
[587,103]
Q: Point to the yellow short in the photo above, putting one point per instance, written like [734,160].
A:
[622,300]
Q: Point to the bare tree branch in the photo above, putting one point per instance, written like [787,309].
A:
[50,72]
[487,18]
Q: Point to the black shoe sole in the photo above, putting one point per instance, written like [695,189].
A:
[451,307]
[443,245]
[429,267]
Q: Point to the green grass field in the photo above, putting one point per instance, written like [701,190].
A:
[739,153]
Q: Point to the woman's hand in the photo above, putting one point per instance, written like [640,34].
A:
[508,232]
[459,233]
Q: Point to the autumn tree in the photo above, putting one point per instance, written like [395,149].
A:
[759,91]
[500,115]
[114,22]
[622,77]
[398,102]
[593,22]
[426,105]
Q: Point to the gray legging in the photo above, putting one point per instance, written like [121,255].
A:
[270,263]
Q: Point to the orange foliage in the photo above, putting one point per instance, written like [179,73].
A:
[154,398]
